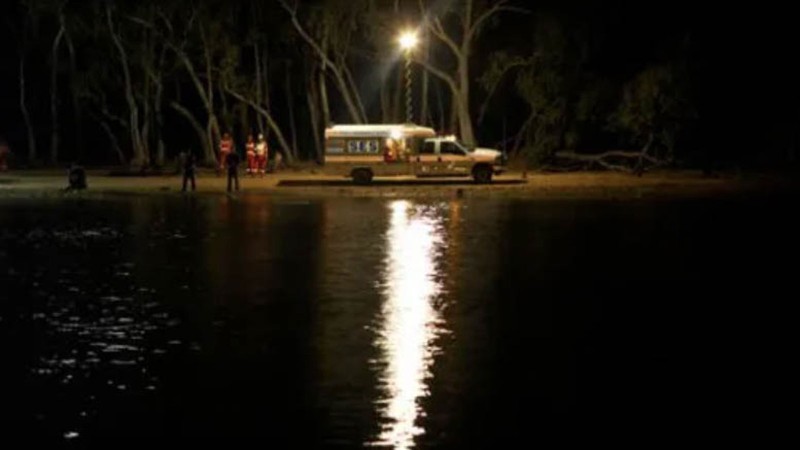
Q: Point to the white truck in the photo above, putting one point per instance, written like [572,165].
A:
[363,152]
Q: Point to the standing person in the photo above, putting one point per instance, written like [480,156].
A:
[278,161]
[188,170]
[5,151]
[262,149]
[251,155]
[232,162]
[225,149]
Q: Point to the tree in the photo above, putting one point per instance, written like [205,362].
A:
[22,32]
[655,110]
[335,22]
[54,85]
[468,18]
[140,154]
[551,79]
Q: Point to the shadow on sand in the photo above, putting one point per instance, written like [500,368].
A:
[394,182]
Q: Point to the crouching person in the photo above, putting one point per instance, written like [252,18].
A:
[76,178]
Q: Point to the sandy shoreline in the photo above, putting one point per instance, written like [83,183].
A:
[580,186]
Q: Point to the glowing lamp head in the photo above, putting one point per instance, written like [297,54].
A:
[408,40]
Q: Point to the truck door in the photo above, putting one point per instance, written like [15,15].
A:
[453,159]
[425,162]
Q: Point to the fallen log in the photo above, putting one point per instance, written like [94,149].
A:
[616,160]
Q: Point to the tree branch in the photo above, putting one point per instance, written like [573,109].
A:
[438,30]
[287,152]
[440,74]
[601,159]
[496,8]
[326,62]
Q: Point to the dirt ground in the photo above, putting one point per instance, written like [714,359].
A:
[581,185]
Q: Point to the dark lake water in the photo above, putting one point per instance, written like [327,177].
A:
[396,323]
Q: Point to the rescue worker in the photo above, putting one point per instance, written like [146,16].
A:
[251,155]
[262,150]
[225,148]
[389,152]
[188,170]
[232,163]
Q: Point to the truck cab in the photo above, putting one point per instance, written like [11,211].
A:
[447,157]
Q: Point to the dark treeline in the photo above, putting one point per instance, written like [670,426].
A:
[137,82]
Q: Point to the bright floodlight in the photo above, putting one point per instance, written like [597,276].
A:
[408,40]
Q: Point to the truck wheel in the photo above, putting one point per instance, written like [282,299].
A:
[362,176]
[482,174]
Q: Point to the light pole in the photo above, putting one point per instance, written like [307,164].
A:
[408,40]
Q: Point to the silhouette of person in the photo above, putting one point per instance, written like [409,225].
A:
[5,151]
[232,163]
[225,149]
[188,170]
[76,178]
[251,155]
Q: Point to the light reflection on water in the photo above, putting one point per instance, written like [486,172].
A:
[94,322]
[409,322]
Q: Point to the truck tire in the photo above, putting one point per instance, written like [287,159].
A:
[482,174]
[362,176]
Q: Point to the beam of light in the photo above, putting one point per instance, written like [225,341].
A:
[409,322]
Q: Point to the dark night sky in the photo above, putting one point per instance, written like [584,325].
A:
[743,58]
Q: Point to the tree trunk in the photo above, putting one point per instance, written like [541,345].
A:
[133,109]
[23,105]
[601,160]
[76,107]
[290,106]
[313,111]
[159,119]
[228,122]
[201,133]
[245,124]
[265,72]
[259,94]
[323,95]
[424,115]
[209,152]
[54,96]
[212,126]
[214,137]
[354,88]
[146,121]
[325,61]
[113,139]
[462,103]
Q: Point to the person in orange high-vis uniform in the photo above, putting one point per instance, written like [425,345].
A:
[251,156]
[261,154]
[225,148]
